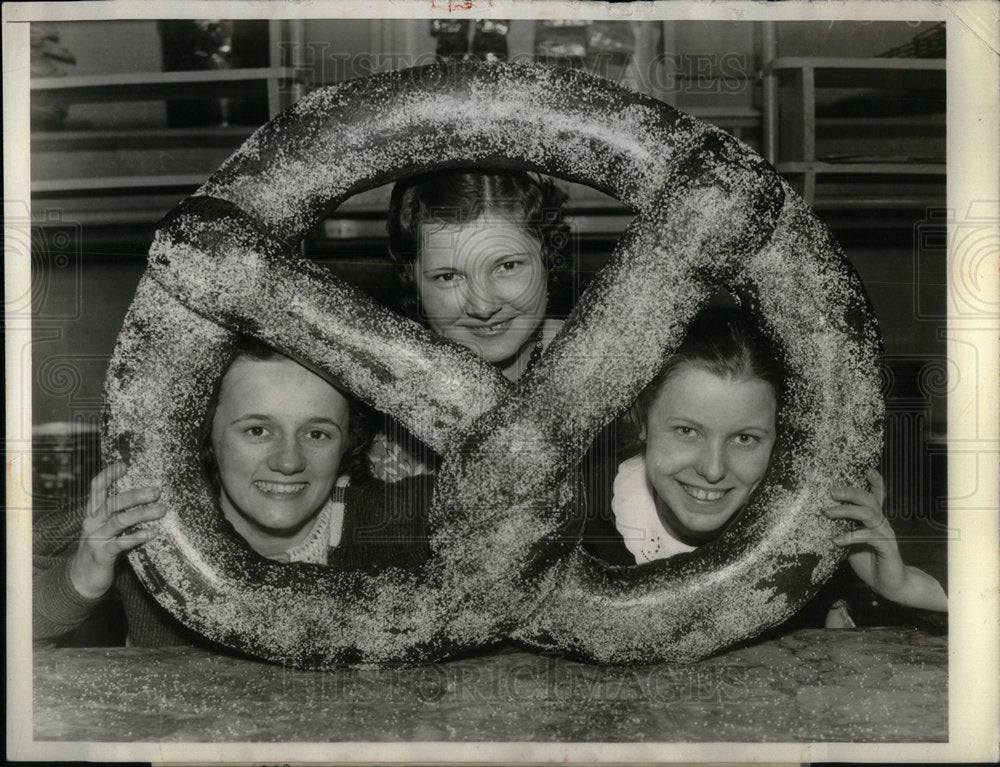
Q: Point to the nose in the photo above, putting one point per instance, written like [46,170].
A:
[711,462]
[287,457]
[482,300]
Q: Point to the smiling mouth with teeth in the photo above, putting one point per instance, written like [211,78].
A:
[702,495]
[490,330]
[280,488]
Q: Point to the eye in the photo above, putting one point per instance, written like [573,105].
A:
[318,435]
[685,432]
[445,277]
[511,265]
[746,440]
[256,431]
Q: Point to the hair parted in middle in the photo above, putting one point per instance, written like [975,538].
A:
[533,202]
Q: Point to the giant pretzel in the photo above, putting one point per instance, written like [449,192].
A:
[505,557]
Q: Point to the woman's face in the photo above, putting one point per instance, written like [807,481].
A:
[708,444]
[278,435]
[482,284]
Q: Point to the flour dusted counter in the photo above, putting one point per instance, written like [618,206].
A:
[861,685]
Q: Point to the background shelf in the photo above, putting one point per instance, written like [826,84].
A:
[153,86]
[139,138]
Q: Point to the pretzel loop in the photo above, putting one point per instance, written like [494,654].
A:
[505,560]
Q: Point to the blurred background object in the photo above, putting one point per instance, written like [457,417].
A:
[66,455]
[47,53]
[488,43]
[561,42]
[46,50]
[926,44]
[603,48]
[190,45]
[489,40]
[452,36]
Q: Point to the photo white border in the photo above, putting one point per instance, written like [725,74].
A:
[974,442]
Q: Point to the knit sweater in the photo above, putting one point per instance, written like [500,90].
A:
[384,525]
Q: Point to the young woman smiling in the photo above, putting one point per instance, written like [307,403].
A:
[707,425]
[287,454]
[481,255]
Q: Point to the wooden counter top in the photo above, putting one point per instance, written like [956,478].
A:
[860,685]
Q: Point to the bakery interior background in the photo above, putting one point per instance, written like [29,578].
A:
[129,117]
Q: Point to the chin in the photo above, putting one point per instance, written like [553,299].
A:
[702,527]
[709,524]
[493,352]
[499,356]
[280,523]
[698,524]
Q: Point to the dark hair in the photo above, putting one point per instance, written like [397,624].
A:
[459,196]
[724,341]
[361,418]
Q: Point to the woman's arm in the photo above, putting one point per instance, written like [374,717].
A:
[874,554]
[68,583]
[56,607]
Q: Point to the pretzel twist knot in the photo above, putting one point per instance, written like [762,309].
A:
[505,560]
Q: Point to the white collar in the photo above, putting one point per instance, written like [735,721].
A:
[324,535]
[635,515]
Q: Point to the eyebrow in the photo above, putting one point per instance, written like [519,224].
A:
[687,420]
[251,417]
[264,417]
[757,427]
[498,254]
[516,254]
[327,421]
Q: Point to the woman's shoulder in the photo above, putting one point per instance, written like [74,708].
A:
[385,523]
[374,505]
